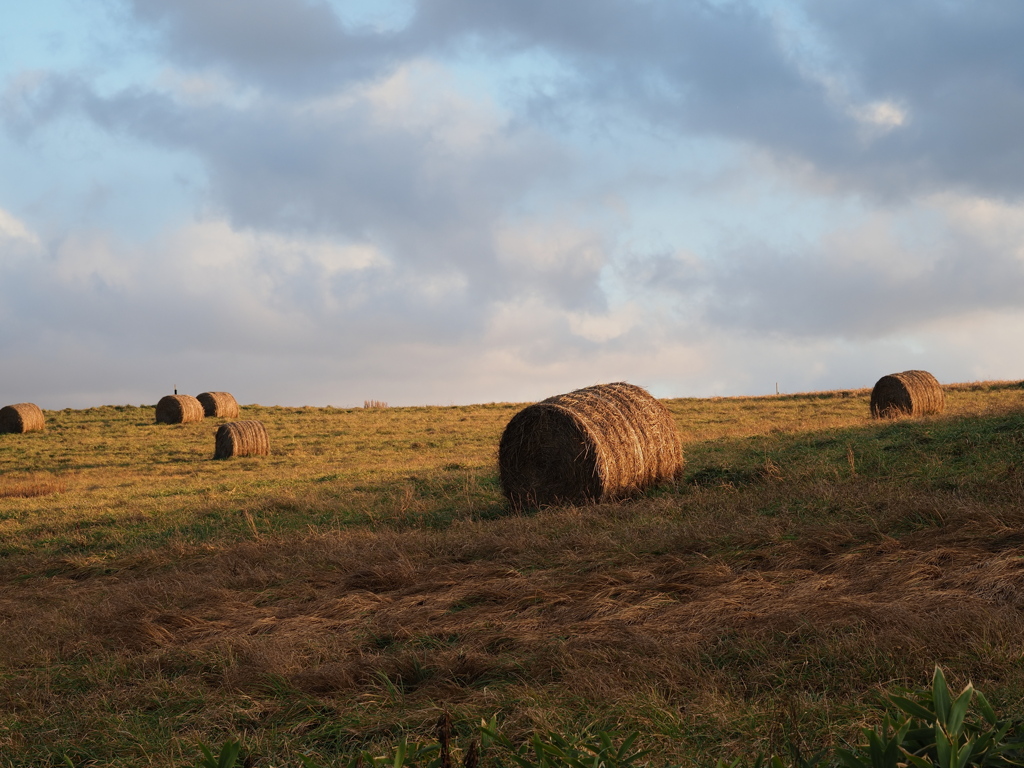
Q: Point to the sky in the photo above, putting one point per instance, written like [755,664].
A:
[435,202]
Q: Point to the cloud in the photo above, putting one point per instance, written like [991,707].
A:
[516,197]
[406,165]
[883,275]
[15,235]
[285,45]
[886,101]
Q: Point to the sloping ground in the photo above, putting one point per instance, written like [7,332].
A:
[767,598]
[547,621]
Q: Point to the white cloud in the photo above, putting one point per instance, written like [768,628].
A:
[998,224]
[882,115]
[90,258]
[13,229]
[213,245]
[605,327]
[424,97]
[541,247]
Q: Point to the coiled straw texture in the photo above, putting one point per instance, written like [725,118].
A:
[21,417]
[241,438]
[911,393]
[219,404]
[593,444]
[178,409]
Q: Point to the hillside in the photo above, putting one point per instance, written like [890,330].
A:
[368,574]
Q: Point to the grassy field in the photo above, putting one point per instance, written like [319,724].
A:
[367,576]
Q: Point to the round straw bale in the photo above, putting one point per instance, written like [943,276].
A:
[21,417]
[222,404]
[178,409]
[593,444]
[241,438]
[911,393]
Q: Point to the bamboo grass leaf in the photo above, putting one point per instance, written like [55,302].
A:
[913,708]
[917,761]
[965,754]
[940,696]
[849,759]
[958,711]
[943,748]
[985,708]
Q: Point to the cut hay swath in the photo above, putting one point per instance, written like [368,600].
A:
[178,409]
[219,404]
[911,393]
[241,438]
[21,417]
[593,444]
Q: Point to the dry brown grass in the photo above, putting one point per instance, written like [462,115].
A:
[395,624]
[810,558]
[30,484]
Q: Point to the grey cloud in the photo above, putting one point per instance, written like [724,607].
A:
[958,70]
[699,64]
[712,68]
[315,338]
[698,67]
[158,307]
[291,46]
[275,166]
[725,70]
[761,291]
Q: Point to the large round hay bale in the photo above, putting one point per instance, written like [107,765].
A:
[911,393]
[594,444]
[219,404]
[241,438]
[178,409]
[21,417]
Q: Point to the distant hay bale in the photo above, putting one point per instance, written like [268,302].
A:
[219,404]
[178,409]
[241,438]
[911,393]
[21,417]
[594,444]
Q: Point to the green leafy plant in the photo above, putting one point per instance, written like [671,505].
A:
[227,758]
[934,729]
[930,728]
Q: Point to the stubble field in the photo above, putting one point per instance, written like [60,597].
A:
[367,576]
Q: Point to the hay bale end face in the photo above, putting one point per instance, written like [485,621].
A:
[178,409]
[219,404]
[594,444]
[911,393]
[241,438]
[21,417]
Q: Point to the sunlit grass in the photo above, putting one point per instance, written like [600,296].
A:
[367,574]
